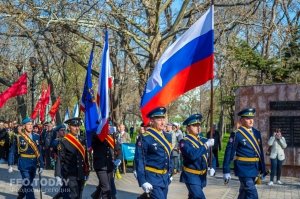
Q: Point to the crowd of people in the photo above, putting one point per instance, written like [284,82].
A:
[162,150]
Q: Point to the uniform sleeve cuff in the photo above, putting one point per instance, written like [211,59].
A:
[206,146]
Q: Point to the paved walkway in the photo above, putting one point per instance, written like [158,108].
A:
[128,188]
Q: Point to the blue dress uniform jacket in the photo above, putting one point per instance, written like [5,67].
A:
[27,162]
[194,159]
[247,162]
[152,160]
[229,153]
[20,146]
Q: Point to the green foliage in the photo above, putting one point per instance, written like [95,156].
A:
[290,57]
[272,70]
[251,59]
[228,100]
[222,152]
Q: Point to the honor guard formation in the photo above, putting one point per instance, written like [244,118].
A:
[156,145]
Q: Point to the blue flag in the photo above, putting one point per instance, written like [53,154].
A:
[88,103]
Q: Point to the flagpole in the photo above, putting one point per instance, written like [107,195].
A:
[211,109]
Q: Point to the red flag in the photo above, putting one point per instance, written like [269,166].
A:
[18,88]
[54,108]
[37,107]
[36,110]
[41,104]
[44,102]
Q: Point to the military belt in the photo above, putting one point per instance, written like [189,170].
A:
[27,155]
[246,159]
[154,170]
[194,171]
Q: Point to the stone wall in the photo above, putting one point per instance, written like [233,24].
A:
[259,97]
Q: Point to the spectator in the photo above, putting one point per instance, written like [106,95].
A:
[141,132]
[179,136]
[217,147]
[177,131]
[175,152]
[47,137]
[61,131]
[131,131]
[277,156]
[123,136]
[4,143]
[36,129]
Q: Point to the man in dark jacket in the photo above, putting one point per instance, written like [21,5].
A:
[103,152]
[72,165]
[4,143]
[217,147]
[47,136]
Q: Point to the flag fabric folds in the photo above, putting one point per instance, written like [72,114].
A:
[88,103]
[44,102]
[16,89]
[67,115]
[54,108]
[76,110]
[186,64]
[103,92]
[36,110]
[41,104]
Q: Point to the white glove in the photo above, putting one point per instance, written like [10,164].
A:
[40,170]
[147,187]
[10,169]
[135,174]
[212,172]
[226,177]
[58,181]
[210,142]
[171,178]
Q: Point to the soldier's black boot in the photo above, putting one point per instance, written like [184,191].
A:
[96,194]
[21,193]
[57,196]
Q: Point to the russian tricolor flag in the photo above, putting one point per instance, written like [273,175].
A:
[103,94]
[186,64]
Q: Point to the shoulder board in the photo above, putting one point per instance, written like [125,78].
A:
[82,138]
[254,129]
[145,134]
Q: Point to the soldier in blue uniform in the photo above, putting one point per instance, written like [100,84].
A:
[245,147]
[194,153]
[27,145]
[152,157]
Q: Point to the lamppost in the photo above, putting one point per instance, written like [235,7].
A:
[19,67]
[45,70]
[33,64]
[20,100]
